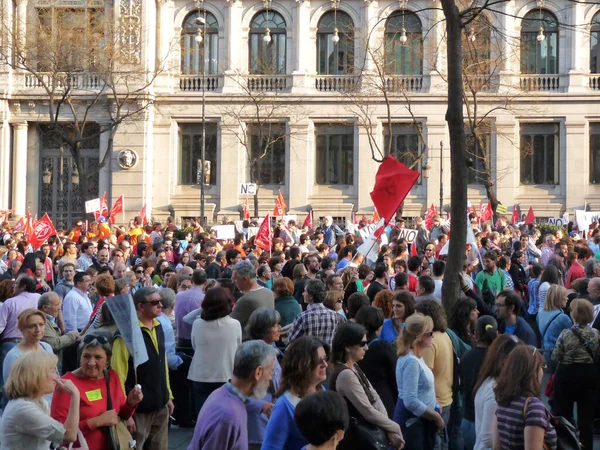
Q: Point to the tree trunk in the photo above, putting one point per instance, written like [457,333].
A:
[458,184]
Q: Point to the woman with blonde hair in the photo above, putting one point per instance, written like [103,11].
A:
[416,409]
[333,300]
[552,320]
[26,422]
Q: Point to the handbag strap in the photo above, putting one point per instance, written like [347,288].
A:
[548,326]
[576,332]
[365,384]
[108,396]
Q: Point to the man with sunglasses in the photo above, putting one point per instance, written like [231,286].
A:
[507,307]
[152,414]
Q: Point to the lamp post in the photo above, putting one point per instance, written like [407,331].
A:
[427,171]
[201,34]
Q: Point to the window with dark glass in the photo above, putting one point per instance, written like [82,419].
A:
[267,44]
[190,138]
[335,58]
[478,151]
[595,153]
[335,154]
[595,45]
[539,56]
[266,164]
[540,153]
[192,54]
[403,44]
[407,145]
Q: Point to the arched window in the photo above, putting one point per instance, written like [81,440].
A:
[539,43]
[335,44]
[192,53]
[595,45]
[403,44]
[267,43]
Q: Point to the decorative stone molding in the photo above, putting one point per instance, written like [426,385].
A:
[127,159]
[130,29]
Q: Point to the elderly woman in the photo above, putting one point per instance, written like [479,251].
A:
[263,324]
[96,383]
[215,339]
[25,421]
[122,286]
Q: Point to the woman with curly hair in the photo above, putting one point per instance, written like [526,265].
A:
[463,316]
[303,372]
[215,339]
[403,306]
[383,301]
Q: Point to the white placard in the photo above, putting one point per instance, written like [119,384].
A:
[289,217]
[225,231]
[92,205]
[247,189]
[252,231]
[408,234]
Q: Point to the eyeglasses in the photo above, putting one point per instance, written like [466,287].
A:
[153,302]
[363,343]
[430,334]
[90,338]
[139,271]
[323,361]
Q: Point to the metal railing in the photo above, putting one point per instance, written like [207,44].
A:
[399,83]
[539,82]
[336,83]
[267,83]
[84,80]
[195,83]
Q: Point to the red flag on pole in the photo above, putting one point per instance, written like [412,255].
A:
[515,215]
[530,216]
[308,222]
[393,182]
[28,225]
[116,209]
[246,210]
[432,211]
[143,214]
[264,236]
[103,212]
[413,249]
[42,230]
[20,225]
[280,206]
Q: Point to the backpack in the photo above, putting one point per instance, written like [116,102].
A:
[488,294]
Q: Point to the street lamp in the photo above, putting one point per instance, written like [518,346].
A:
[75,176]
[47,177]
[200,34]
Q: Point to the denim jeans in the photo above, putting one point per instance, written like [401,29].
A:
[468,432]
[420,435]
[201,393]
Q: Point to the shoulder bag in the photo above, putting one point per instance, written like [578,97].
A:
[361,434]
[118,436]
[585,345]
[565,432]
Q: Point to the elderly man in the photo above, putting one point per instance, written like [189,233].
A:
[13,268]
[223,420]
[50,304]
[592,268]
[255,296]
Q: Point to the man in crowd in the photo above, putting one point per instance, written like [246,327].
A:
[12,270]
[152,414]
[214,269]
[77,307]
[425,289]
[379,283]
[65,284]
[101,259]
[507,307]
[255,296]
[69,257]
[87,255]
[50,304]
[490,277]
[232,257]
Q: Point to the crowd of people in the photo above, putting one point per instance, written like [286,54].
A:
[307,345]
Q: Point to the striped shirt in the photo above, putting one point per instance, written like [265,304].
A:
[511,423]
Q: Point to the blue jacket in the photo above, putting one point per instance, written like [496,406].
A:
[282,433]
[551,324]
[522,330]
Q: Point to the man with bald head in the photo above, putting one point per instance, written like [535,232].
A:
[119,270]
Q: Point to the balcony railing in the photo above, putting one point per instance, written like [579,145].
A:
[595,82]
[86,81]
[267,83]
[336,83]
[539,82]
[196,83]
[404,83]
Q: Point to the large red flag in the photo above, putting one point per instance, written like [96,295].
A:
[308,222]
[42,230]
[20,225]
[515,215]
[264,236]
[116,209]
[279,206]
[246,210]
[142,214]
[432,211]
[530,216]
[486,212]
[103,212]
[393,182]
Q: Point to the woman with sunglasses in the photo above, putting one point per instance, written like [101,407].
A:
[349,347]
[303,372]
[91,383]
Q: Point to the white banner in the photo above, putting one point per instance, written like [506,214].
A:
[559,221]
[585,218]
[92,206]
[289,217]
[225,231]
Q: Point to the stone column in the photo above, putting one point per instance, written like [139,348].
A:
[303,51]
[365,168]
[164,33]
[104,177]
[4,155]
[370,10]
[19,178]
[234,51]
[576,179]
[436,133]
[22,24]
[298,163]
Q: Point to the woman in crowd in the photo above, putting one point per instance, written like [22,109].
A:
[333,300]
[550,276]
[26,423]
[263,324]
[504,264]
[215,339]
[577,353]
[379,363]
[486,331]
[356,301]
[303,372]
[416,410]
[141,278]
[105,288]
[158,275]
[184,260]
[285,304]
[551,321]
[383,301]
[32,324]
[349,346]
[122,286]
[403,306]
[462,319]
[483,392]
[522,420]
[298,274]
[91,382]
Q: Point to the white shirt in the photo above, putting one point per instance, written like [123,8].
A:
[77,310]
[485,412]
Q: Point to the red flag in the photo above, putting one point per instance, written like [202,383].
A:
[42,230]
[264,236]
[116,209]
[20,225]
[413,249]
[28,225]
[103,212]
[432,211]
[489,213]
[308,222]
[143,214]
[515,215]
[379,228]
[393,182]
[279,206]
[530,216]
[246,210]
[376,217]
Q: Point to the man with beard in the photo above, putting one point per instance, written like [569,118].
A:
[223,421]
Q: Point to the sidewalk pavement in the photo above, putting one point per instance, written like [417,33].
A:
[179,438]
